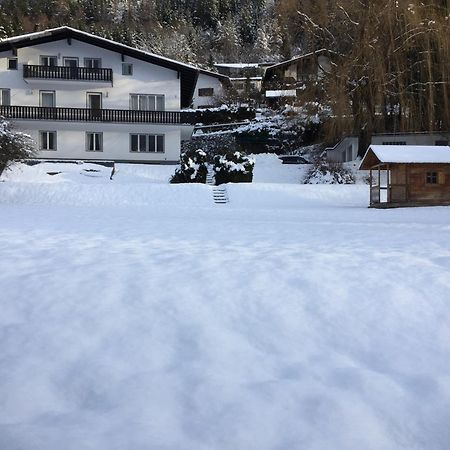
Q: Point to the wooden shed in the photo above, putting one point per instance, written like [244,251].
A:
[408,175]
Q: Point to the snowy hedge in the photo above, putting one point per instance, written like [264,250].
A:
[233,167]
[14,145]
[324,172]
[193,167]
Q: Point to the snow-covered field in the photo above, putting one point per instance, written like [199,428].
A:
[135,315]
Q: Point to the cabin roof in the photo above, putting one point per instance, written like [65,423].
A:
[405,154]
[189,74]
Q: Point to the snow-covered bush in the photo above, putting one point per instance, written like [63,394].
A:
[324,172]
[14,145]
[233,167]
[193,168]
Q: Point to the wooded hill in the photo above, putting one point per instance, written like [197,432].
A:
[390,58]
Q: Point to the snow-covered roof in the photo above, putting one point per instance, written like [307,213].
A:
[405,154]
[296,58]
[281,93]
[237,65]
[52,31]
[246,78]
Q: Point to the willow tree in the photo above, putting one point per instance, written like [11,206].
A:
[391,72]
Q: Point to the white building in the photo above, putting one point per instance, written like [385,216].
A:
[84,97]
[210,89]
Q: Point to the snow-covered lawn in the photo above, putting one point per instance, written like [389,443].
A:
[135,314]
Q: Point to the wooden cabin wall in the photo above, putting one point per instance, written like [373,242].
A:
[420,191]
[398,183]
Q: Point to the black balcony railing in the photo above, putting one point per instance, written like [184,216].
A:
[96,115]
[67,73]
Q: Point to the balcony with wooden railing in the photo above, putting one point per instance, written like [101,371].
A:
[97,115]
[64,73]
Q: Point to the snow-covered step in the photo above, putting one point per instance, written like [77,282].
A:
[210,177]
[220,194]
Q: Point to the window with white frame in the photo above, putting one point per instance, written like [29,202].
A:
[5,97]
[47,99]
[147,102]
[47,140]
[127,69]
[49,61]
[94,142]
[93,63]
[147,143]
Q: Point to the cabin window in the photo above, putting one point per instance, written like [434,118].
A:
[93,63]
[432,178]
[394,143]
[12,64]
[94,142]
[5,97]
[205,92]
[47,140]
[127,69]
[147,102]
[147,143]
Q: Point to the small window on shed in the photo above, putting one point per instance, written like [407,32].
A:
[432,178]
[205,92]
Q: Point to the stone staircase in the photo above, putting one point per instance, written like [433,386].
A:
[220,194]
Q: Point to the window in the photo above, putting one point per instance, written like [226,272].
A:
[94,142]
[94,100]
[147,143]
[441,143]
[12,63]
[5,97]
[394,143]
[70,61]
[48,99]
[93,63]
[205,92]
[432,178]
[147,102]
[49,61]
[47,140]
[127,69]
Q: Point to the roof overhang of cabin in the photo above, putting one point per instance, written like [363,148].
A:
[377,155]
[188,74]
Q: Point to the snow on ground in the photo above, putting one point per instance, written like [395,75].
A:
[140,315]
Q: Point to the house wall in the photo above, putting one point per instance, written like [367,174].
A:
[71,140]
[410,138]
[147,78]
[346,150]
[206,81]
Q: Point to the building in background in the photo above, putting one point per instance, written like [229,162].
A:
[210,89]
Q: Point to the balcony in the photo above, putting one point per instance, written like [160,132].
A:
[64,73]
[97,115]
